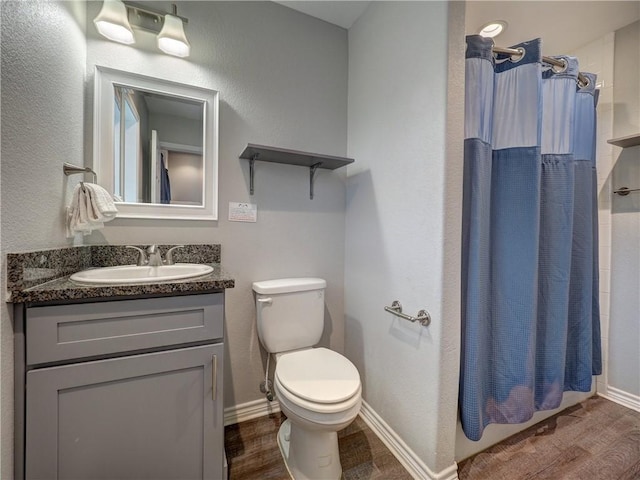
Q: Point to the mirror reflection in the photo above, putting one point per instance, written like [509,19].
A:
[158,147]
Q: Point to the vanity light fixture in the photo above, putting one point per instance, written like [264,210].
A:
[171,39]
[112,22]
[118,16]
[493,29]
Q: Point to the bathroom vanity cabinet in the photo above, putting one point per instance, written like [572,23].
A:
[120,389]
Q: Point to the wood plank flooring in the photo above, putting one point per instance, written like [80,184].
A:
[253,453]
[594,440]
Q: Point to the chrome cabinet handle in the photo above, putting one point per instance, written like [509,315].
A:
[214,377]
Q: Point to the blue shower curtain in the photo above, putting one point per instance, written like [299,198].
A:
[530,313]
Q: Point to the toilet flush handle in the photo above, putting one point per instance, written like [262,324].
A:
[267,300]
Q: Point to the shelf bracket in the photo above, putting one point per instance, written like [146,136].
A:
[252,162]
[312,174]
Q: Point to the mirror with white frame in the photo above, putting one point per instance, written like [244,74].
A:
[155,146]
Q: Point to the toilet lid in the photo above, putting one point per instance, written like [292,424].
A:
[318,375]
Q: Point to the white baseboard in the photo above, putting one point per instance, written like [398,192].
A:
[623,398]
[401,451]
[249,411]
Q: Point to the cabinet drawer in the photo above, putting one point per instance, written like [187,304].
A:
[62,332]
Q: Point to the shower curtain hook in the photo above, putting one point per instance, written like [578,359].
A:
[562,68]
[515,58]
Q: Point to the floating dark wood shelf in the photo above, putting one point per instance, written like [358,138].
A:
[313,161]
[624,142]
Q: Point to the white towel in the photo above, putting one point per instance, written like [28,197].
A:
[90,207]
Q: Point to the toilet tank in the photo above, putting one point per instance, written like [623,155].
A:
[289,312]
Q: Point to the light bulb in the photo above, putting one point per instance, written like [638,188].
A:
[112,22]
[172,39]
[493,29]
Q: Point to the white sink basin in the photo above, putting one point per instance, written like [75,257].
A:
[126,274]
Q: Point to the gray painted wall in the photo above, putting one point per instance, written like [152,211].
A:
[624,326]
[400,226]
[43,75]
[282,78]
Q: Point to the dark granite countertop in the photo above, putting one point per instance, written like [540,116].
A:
[43,276]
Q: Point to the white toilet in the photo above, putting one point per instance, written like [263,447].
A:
[318,389]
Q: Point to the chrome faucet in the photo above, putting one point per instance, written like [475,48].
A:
[153,255]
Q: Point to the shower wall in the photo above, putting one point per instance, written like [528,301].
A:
[623,379]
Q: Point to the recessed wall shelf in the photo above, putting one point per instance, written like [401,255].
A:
[291,157]
[624,142]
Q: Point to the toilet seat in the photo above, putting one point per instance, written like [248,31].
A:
[318,375]
[316,382]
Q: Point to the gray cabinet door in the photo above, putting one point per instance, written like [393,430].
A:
[154,416]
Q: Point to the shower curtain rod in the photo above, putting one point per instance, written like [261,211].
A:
[584,81]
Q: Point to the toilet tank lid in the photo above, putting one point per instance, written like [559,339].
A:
[287,285]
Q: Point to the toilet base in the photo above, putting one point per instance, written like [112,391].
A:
[309,454]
